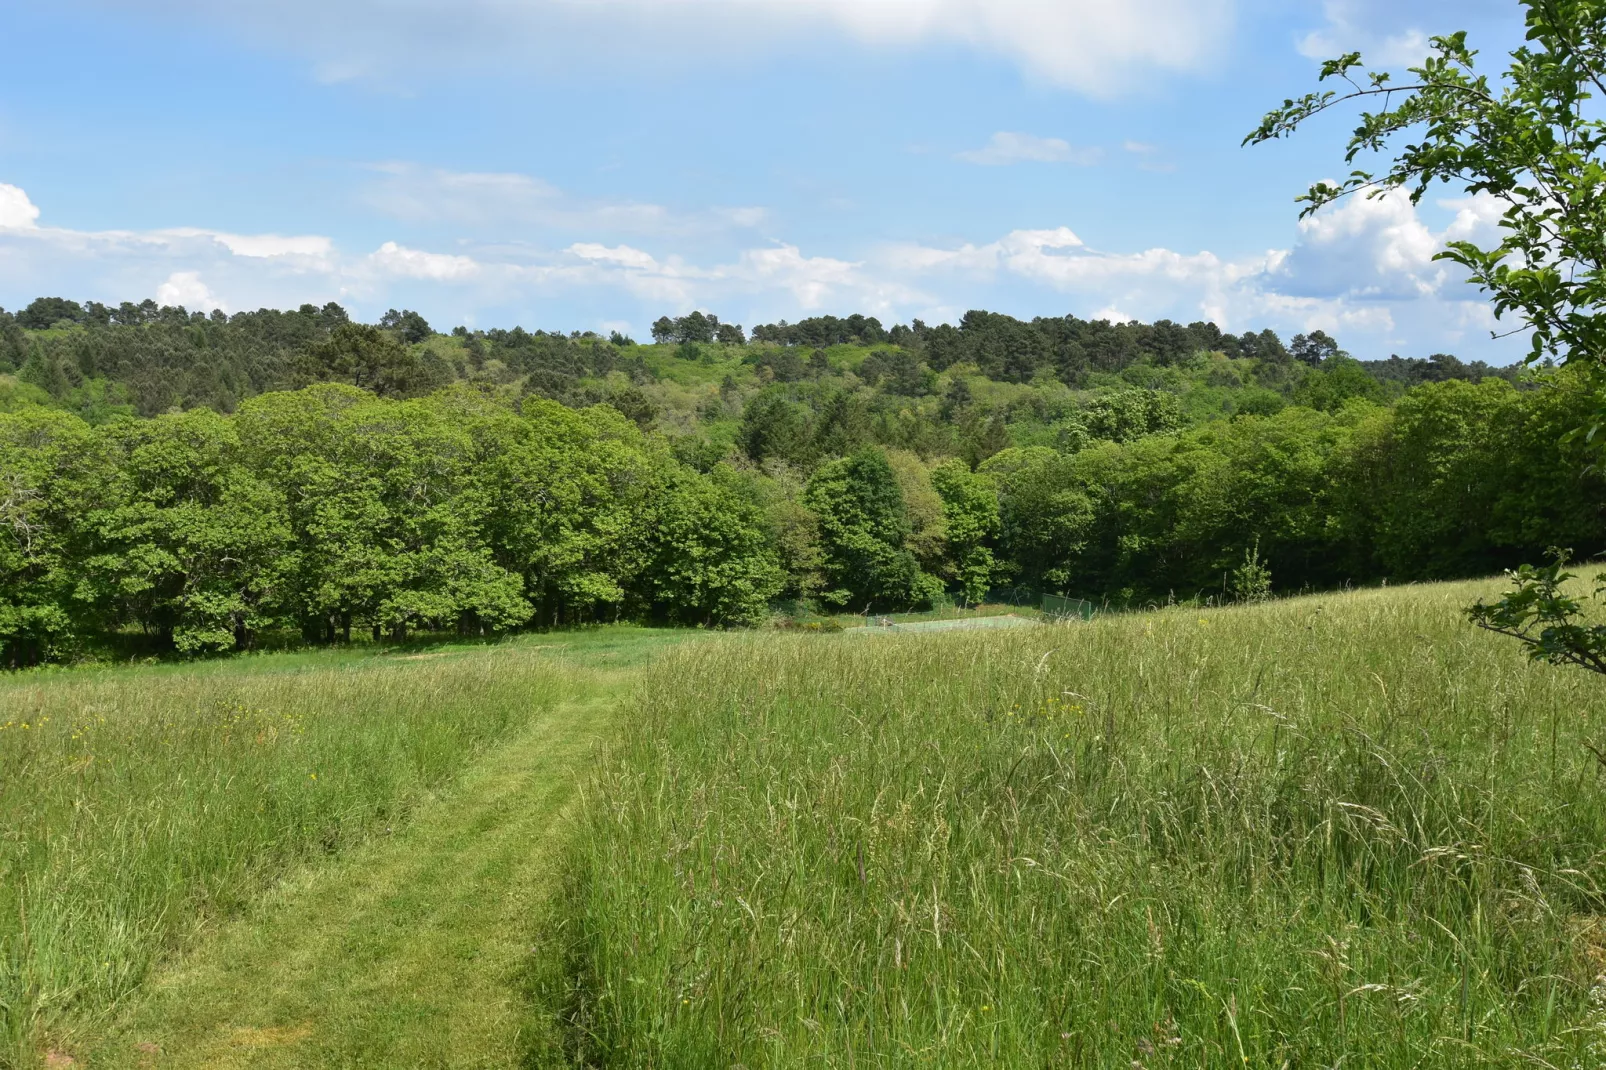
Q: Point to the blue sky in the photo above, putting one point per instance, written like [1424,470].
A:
[597,163]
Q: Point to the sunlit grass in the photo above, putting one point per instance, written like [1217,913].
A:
[1346,829]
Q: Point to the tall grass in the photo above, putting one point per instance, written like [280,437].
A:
[132,802]
[1346,830]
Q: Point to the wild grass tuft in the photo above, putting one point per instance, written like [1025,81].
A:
[1345,829]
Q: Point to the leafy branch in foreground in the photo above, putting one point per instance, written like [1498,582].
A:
[1544,618]
[1531,145]
[1534,148]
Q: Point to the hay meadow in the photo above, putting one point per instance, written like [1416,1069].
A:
[1337,830]
[1345,830]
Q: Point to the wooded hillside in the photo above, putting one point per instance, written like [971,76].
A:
[204,479]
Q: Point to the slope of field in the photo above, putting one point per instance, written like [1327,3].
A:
[141,807]
[1346,829]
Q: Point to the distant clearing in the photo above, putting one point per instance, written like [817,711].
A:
[970,624]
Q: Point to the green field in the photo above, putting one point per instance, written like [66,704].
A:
[1341,830]
[1337,830]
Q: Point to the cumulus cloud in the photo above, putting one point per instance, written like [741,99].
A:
[397,260]
[805,283]
[1094,46]
[16,210]
[268,245]
[201,269]
[1007,148]
[186,288]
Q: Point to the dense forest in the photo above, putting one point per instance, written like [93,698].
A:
[204,481]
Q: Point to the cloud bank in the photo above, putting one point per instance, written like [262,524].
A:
[1363,269]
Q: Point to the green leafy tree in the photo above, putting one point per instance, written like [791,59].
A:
[863,527]
[1045,514]
[842,425]
[53,472]
[16,396]
[192,548]
[409,325]
[372,359]
[1251,581]
[981,436]
[400,505]
[1314,348]
[1131,414]
[45,371]
[970,508]
[1532,140]
[569,496]
[923,506]
[711,562]
[1339,380]
[1545,617]
[45,312]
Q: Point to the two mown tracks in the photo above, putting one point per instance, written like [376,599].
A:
[408,952]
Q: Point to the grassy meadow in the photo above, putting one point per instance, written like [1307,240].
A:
[137,803]
[1340,830]
[1337,830]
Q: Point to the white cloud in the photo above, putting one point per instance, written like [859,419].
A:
[266,245]
[622,255]
[16,210]
[186,288]
[1362,269]
[1007,148]
[808,282]
[812,281]
[393,259]
[1352,25]
[1096,46]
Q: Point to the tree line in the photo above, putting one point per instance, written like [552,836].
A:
[331,509]
[388,479]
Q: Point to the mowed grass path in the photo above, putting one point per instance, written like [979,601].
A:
[406,953]
[314,859]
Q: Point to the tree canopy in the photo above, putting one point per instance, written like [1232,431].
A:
[199,483]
